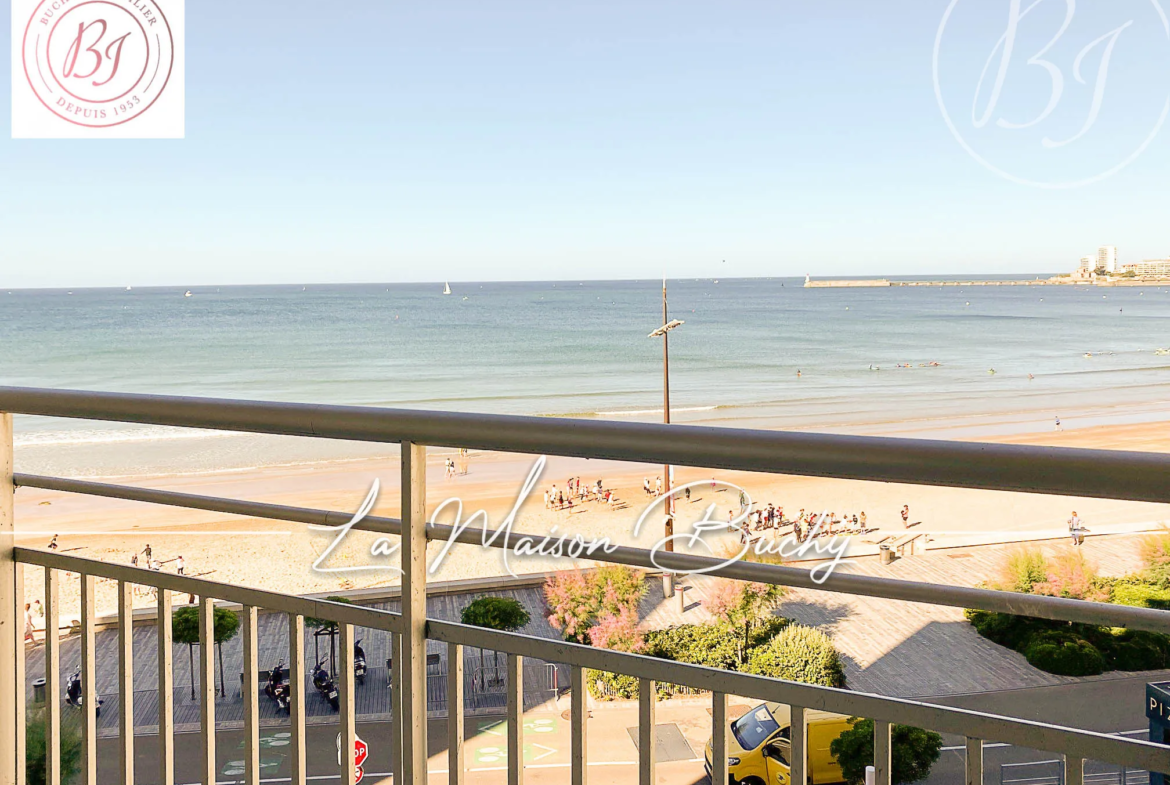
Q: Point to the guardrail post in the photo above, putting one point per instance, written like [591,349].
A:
[251,689]
[974,762]
[126,680]
[207,688]
[515,719]
[296,697]
[11,620]
[799,739]
[52,678]
[646,700]
[579,741]
[166,685]
[455,714]
[719,736]
[1074,770]
[882,752]
[414,613]
[345,695]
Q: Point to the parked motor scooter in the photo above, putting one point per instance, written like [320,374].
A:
[324,684]
[359,662]
[277,687]
[74,695]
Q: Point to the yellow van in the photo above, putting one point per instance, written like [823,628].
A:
[759,747]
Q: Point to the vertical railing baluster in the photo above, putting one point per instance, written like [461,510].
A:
[397,714]
[12,617]
[18,704]
[52,677]
[126,680]
[1074,770]
[579,731]
[799,739]
[515,719]
[974,762]
[454,714]
[207,687]
[345,695]
[296,697]
[251,687]
[719,738]
[882,752]
[647,699]
[166,689]
[414,613]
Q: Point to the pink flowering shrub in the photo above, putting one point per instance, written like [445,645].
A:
[620,632]
[576,600]
[738,603]
[570,602]
[1072,575]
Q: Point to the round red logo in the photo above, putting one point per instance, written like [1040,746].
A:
[98,63]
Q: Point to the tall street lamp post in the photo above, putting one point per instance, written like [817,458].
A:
[663,332]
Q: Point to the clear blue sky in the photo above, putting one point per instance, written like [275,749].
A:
[602,139]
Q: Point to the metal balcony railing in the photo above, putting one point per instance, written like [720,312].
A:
[1091,473]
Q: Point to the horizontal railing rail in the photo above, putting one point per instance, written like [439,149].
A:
[357,615]
[1047,470]
[842,582]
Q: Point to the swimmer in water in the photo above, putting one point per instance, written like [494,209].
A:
[798,374]
[991,371]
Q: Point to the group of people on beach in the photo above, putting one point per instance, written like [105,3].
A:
[154,564]
[804,525]
[561,499]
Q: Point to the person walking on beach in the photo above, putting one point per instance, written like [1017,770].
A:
[1059,427]
[181,567]
[687,494]
[1074,529]
[28,624]
[905,516]
[53,543]
[862,519]
[147,552]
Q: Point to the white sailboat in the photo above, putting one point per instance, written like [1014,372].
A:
[446,288]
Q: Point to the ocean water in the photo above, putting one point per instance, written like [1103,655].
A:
[580,349]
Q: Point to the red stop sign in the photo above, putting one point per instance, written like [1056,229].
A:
[361,751]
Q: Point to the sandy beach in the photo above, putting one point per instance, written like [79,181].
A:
[244,551]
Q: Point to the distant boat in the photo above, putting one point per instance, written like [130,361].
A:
[128,288]
[187,293]
[446,288]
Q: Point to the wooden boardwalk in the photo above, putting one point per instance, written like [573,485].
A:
[889,647]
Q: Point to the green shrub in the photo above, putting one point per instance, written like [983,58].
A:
[1064,654]
[1023,569]
[713,645]
[1141,595]
[1155,553]
[620,687]
[799,654]
[914,752]
[35,748]
[1136,650]
[1005,628]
